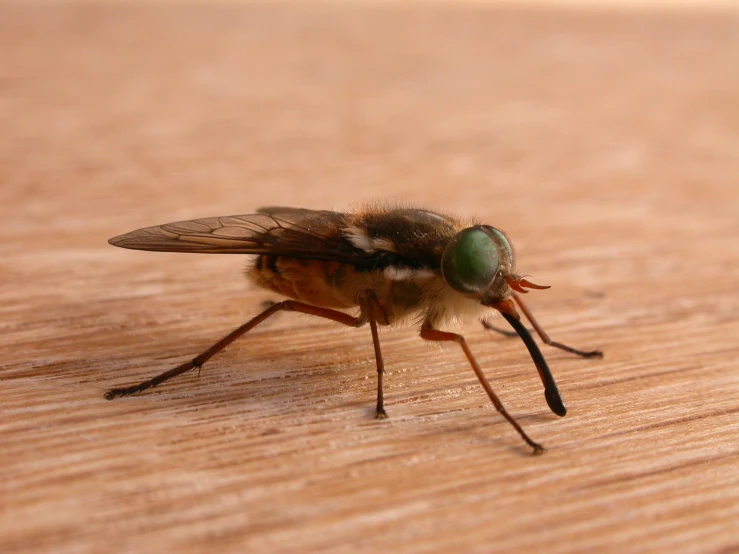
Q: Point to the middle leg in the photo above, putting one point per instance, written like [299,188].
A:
[370,310]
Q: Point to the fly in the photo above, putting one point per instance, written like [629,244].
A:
[386,264]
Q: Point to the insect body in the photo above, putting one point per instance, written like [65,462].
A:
[387,263]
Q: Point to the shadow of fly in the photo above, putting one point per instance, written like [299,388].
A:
[386,264]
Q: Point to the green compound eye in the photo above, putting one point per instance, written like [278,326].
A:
[470,261]
[503,241]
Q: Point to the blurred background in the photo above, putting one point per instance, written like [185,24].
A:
[179,110]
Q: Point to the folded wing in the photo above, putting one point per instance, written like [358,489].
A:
[292,232]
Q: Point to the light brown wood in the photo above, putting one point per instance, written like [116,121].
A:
[605,143]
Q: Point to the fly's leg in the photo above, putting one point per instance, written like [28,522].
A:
[431,334]
[490,327]
[200,359]
[540,331]
[369,309]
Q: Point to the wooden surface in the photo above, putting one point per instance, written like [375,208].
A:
[605,143]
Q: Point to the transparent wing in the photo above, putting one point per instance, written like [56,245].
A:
[290,232]
[295,215]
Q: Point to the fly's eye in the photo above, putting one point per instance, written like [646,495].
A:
[470,261]
[503,241]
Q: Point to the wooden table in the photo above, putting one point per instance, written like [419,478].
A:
[604,141]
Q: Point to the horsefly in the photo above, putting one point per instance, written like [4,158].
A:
[387,264]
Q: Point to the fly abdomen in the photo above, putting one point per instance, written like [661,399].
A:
[311,281]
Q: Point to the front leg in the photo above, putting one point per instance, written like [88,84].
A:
[490,327]
[543,334]
[429,333]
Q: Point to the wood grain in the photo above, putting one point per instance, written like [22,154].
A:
[605,143]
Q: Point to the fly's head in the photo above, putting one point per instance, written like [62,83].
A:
[478,263]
